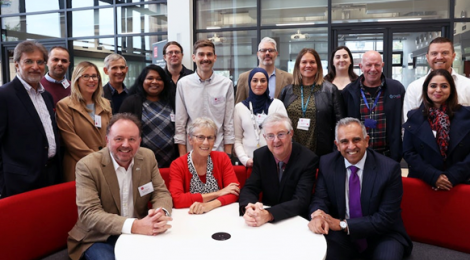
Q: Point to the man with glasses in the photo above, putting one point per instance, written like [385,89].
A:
[115,91]
[173,54]
[377,102]
[284,171]
[204,94]
[29,139]
[440,56]
[54,81]
[278,79]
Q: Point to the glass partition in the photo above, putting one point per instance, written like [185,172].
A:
[142,18]
[25,27]
[293,12]
[350,11]
[216,14]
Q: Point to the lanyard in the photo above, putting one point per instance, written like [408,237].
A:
[375,102]
[255,125]
[304,108]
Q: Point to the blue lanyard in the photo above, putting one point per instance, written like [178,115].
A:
[375,102]
[304,108]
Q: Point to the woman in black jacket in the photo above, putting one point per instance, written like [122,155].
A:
[313,105]
[154,103]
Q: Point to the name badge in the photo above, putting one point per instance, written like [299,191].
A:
[98,121]
[303,124]
[260,118]
[146,189]
[65,83]
[172,117]
[218,100]
[370,123]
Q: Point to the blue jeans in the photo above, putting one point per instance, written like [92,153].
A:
[101,250]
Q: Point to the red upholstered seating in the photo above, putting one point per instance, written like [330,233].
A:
[35,224]
[437,217]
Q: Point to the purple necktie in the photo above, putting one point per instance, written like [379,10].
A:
[280,170]
[355,209]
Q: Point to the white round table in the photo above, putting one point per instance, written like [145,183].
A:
[190,237]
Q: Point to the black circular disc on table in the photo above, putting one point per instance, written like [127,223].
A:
[221,236]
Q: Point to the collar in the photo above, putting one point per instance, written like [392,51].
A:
[116,165]
[359,164]
[207,80]
[183,68]
[113,91]
[382,82]
[50,79]
[28,87]
[286,161]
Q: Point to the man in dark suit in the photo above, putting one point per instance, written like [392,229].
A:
[357,199]
[28,131]
[115,66]
[283,171]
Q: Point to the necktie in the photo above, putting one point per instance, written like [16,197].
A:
[280,170]
[355,208]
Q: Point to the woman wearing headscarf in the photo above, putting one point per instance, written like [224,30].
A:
[250,113]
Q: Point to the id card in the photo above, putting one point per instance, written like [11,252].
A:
[65,83]
[98,121]
[172,117]
[260,118]
[218,100]
[145,189]
[303,124]
[370,123]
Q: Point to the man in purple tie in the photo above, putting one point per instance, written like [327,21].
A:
[357,199]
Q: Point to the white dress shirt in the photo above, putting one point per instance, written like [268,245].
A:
[41,109]
[125,194]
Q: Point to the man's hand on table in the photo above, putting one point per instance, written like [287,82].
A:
[321,223]
[256,215]
[156,222]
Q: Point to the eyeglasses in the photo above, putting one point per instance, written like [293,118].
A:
[170,53]
[280,136]
[88,77]
[201,138]
[267,50]
[31,62]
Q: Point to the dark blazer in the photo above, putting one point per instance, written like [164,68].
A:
[133,104]
[381,195]
[288,198]
[108,94]
[329,110]
[23,141]
[394,94]
[422,154]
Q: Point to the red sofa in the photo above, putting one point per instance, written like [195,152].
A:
[36,223]
[437,217]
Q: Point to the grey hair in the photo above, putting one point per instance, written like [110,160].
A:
[347,121]
[268,39]
[275,118]
[29,46]
[113,57]
[202,122]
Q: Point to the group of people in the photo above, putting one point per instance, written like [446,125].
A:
[112,139]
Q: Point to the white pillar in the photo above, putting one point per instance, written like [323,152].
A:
[180,27]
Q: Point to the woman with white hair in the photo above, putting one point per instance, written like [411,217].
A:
[203,180]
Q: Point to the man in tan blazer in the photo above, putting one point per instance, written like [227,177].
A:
[278,79]
[114,186]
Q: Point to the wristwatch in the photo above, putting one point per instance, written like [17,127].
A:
[343,224]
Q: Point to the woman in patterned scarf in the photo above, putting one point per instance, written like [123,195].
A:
[203,179]
[436,144]
[154,103]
